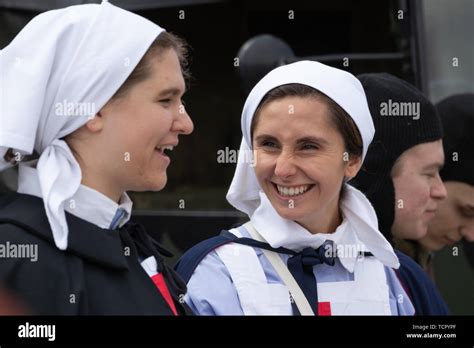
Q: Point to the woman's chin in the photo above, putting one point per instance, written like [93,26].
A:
[290,213]
[160,185]
[155,184]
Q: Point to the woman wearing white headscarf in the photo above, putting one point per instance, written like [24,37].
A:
[95,91]
[312,245]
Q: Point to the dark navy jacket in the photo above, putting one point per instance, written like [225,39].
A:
[98,274]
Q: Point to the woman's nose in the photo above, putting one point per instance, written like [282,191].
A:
[284,165]
[183,123]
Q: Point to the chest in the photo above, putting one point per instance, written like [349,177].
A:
[262,292]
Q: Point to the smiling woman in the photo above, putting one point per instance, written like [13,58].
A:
[321,140]
[307,249]
[91,258]
[136,126]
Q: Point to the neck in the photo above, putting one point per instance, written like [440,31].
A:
[93,175]
[106,191]
[98,182]
[325,222]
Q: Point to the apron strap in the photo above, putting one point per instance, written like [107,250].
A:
[285,275]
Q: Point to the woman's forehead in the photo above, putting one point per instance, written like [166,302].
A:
[166,76]
[294,112]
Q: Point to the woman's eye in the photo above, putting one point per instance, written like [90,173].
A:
[268,144]
[165,101]
[309,147]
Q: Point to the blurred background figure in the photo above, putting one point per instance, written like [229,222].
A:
[400,174]
[455,217]
[451,233]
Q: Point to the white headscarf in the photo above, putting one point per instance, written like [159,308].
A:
[62,61]
[245,193]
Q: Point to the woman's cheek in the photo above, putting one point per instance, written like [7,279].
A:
[264,161]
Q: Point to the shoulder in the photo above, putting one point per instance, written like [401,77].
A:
[23,220]
[210,289]
[13,201]
[422,291]
[412,271]
[194,256]
[25,239]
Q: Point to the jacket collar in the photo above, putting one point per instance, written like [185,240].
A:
[86,240]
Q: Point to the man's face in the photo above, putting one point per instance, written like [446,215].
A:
[418,189]
[454,219]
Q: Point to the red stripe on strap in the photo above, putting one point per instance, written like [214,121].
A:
[161,285]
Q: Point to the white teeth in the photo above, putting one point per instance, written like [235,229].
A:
[162,149]
[292,191]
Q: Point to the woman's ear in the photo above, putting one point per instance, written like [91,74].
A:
[95,124]
[352,166]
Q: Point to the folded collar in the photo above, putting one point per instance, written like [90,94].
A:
[86,204]
[357,232]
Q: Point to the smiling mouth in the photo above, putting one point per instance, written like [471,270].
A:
[163,151]
[292,191]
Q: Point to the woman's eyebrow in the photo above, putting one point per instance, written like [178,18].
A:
[312,139]
[307,139]
[170,91]
[266,137]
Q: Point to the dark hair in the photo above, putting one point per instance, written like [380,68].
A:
[340,119]
[163,42]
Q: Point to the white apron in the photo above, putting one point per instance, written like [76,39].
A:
[367,294]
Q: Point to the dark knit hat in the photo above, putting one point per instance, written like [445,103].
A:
[403,117]
[457,116]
